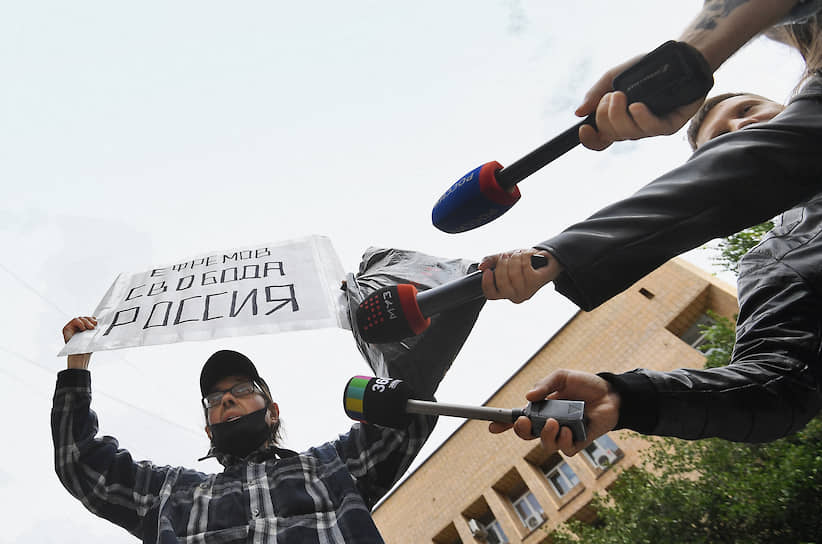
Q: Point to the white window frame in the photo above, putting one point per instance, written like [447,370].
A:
[530,503]
[563,476]
[693,336]
[494,529]
[604,447]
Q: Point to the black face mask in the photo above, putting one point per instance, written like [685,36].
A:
[241,436]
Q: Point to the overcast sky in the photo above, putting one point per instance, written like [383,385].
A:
[136,135]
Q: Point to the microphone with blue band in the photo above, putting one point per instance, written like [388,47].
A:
[672,75]
[388,402]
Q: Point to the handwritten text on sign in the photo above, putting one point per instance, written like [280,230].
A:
[288,286]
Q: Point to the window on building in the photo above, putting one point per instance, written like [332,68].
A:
[448,535]
[694,335]
[483,523]
[645,293]
[603,452]
[562,478]
[495,534]
[529,510]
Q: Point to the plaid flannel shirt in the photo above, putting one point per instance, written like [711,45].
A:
[323,495]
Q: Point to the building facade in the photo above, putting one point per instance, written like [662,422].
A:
[478,487]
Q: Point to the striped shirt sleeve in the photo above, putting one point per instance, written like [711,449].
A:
[378,456]
[94,469]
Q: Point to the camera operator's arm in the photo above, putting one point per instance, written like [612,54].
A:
[720,29]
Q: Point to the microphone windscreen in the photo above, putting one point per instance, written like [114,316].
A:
[390,314]
[378,401]
[474,200]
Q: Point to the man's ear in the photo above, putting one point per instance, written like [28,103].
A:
[273,413]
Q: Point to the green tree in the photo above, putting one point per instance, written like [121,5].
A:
[712,490]
[732,248]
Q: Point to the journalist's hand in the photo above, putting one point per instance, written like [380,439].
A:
[601,410]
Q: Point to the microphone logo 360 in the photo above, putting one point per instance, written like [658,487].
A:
[381,383]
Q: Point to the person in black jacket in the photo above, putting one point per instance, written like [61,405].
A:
[738,177]
[773,385]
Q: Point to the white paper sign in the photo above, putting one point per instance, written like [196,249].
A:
[292,285]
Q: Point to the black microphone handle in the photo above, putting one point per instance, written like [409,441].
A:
[451,294]
[517,171]
[467,288]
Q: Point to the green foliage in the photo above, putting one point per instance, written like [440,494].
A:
[719,340]
[708,491]
[713,490]
[732,248]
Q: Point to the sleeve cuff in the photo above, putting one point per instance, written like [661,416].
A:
[74,377]
[638,403]
[564,283]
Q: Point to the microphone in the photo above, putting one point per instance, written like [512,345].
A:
[388,402]
[392,313]
[672,75]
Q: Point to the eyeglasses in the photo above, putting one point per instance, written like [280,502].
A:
[242,389]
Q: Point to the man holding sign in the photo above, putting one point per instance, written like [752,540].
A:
[265,493]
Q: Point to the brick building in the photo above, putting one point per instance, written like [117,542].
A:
[496,488]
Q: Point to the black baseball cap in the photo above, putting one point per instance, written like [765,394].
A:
[224,363]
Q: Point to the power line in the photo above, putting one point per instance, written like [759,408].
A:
[32,289]
[48,301]
[24,382]
[97,390]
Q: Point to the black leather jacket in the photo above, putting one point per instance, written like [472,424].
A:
[772,386]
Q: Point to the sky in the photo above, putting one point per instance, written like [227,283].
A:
[137,135]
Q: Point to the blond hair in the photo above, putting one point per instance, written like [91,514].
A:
[805,37]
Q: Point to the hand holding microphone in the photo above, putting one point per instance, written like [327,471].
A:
[512,276]
[393,313]
[388,402]
[670,76]
[602,409]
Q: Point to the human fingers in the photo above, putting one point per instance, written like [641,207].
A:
[515,278]
[78,324]
[652,125]
[502,275]
[522,428]
[549,435]
[489,285]
[552,383]
[89,322]
[590,138]
[490,261]
[603,86]
[594,95]
[564,441]
[495,427]
[622,125]
[518,280]
[600,137]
